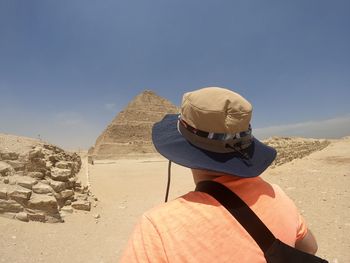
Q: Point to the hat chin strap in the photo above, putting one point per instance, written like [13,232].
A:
[168,183]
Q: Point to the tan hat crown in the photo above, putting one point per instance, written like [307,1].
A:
[217,110]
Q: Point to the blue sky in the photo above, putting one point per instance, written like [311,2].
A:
[68,67]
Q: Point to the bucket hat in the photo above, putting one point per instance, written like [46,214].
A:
[213,132]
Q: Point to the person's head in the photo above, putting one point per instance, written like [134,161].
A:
[213,133]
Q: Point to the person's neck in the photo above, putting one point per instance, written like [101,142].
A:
[204,175]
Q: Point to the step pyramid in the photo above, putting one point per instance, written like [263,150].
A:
[130,131]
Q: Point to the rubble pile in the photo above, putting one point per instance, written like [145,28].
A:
[41,185]
[290,148]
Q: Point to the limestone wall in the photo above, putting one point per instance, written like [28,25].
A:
[41,185]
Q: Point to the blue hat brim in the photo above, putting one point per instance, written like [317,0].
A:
[169,142]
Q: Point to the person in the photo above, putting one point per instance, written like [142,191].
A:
[212,136]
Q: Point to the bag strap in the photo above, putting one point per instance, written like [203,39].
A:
[241,211]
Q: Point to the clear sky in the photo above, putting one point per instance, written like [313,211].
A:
[68,67]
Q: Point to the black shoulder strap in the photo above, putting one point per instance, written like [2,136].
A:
[241,211]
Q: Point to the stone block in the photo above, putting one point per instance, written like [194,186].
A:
[54,218]
[9,156]
[22,216]
[53,159]
[66,194]
[41,188]
[70,184]
[64,165]
[43,203]
[36,164]
[10,206]
[82,197]
[62,175]
[16,165]
[19,193]
[36,175]
[26,182]
[3,192]
[6,169]
[82,205]
[36,153]
[40,217]
[57,185]
[67,209]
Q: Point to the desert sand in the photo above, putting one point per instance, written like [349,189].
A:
[318,183]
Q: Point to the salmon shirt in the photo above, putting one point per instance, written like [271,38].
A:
[197,228]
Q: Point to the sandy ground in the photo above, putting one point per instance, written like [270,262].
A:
[319,184]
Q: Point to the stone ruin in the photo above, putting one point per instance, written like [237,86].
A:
[290,148]
[41,185]
[130,131]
